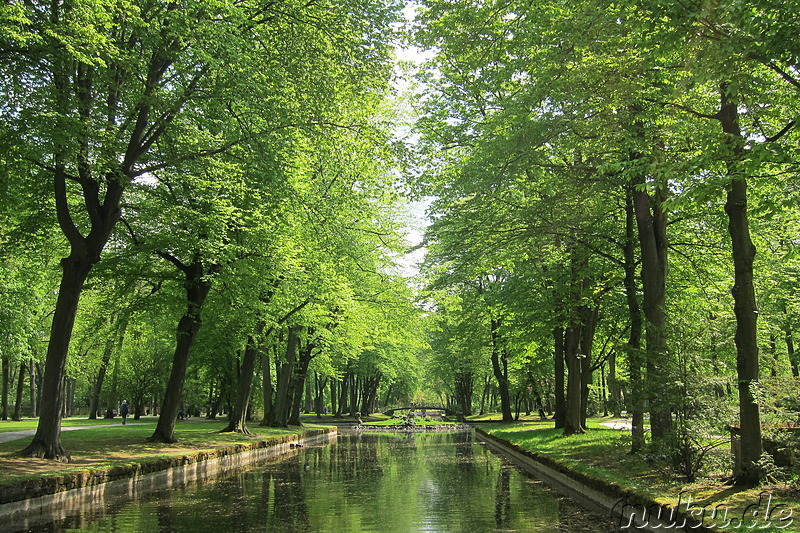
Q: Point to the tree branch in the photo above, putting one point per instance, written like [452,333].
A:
[174,260]
[781,133]
[687,109]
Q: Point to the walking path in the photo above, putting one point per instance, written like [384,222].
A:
[8,436]
[617,424]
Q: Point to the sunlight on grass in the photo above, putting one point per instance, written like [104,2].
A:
[102,447]
[602,453]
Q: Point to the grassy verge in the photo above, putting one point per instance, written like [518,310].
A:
[603,454]
[100,448]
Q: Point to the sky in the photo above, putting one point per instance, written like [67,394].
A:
[409,263]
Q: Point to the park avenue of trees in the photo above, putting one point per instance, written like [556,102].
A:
[203,205]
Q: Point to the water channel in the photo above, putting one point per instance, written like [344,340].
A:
[417,482]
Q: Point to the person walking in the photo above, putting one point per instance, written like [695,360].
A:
[123,410]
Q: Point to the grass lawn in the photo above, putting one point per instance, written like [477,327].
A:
[101,447]
[603,453]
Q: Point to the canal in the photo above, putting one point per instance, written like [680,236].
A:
[416,482]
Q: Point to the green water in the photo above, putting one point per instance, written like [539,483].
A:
[435,482]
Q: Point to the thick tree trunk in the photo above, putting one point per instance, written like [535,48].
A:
[500,369]
[636,397]
[47,441]
[744,307]
[746,331]
[651,225]
[197,287]
[17,416]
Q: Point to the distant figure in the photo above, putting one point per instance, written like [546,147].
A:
[181,415]
[123,410]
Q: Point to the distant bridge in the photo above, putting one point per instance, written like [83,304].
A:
[418,408]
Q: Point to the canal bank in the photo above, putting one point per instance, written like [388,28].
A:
[629,509]
[362,482]
[23,503]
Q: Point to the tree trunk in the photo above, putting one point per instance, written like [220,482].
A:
[280,411]
[560,401]
[500,369]
[614,392]
[788,338]
[652,229]
[572,404]
[334,395]
[266,385]
[47,441]
[69,395]
[33,393]
[237,421]
[111,400]
[6,364]
[342,394]
[773,356]
[97,387]
[589,326]
[321,383]
[636,396]
[17,416]
[309,401]
[464,384]
[744,299]
[354,390]
[301,371]
[197,287]
[486,385]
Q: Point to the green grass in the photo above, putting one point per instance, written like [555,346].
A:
[107,447]
[602,453]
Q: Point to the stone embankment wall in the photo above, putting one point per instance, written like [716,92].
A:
[632,511]
[27,503]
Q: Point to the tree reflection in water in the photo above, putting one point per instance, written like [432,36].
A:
[361,483]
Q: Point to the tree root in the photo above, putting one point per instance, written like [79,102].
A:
[39,448]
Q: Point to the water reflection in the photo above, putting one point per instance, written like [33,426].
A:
[418,482]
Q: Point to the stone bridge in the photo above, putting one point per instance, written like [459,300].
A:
[419,408]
